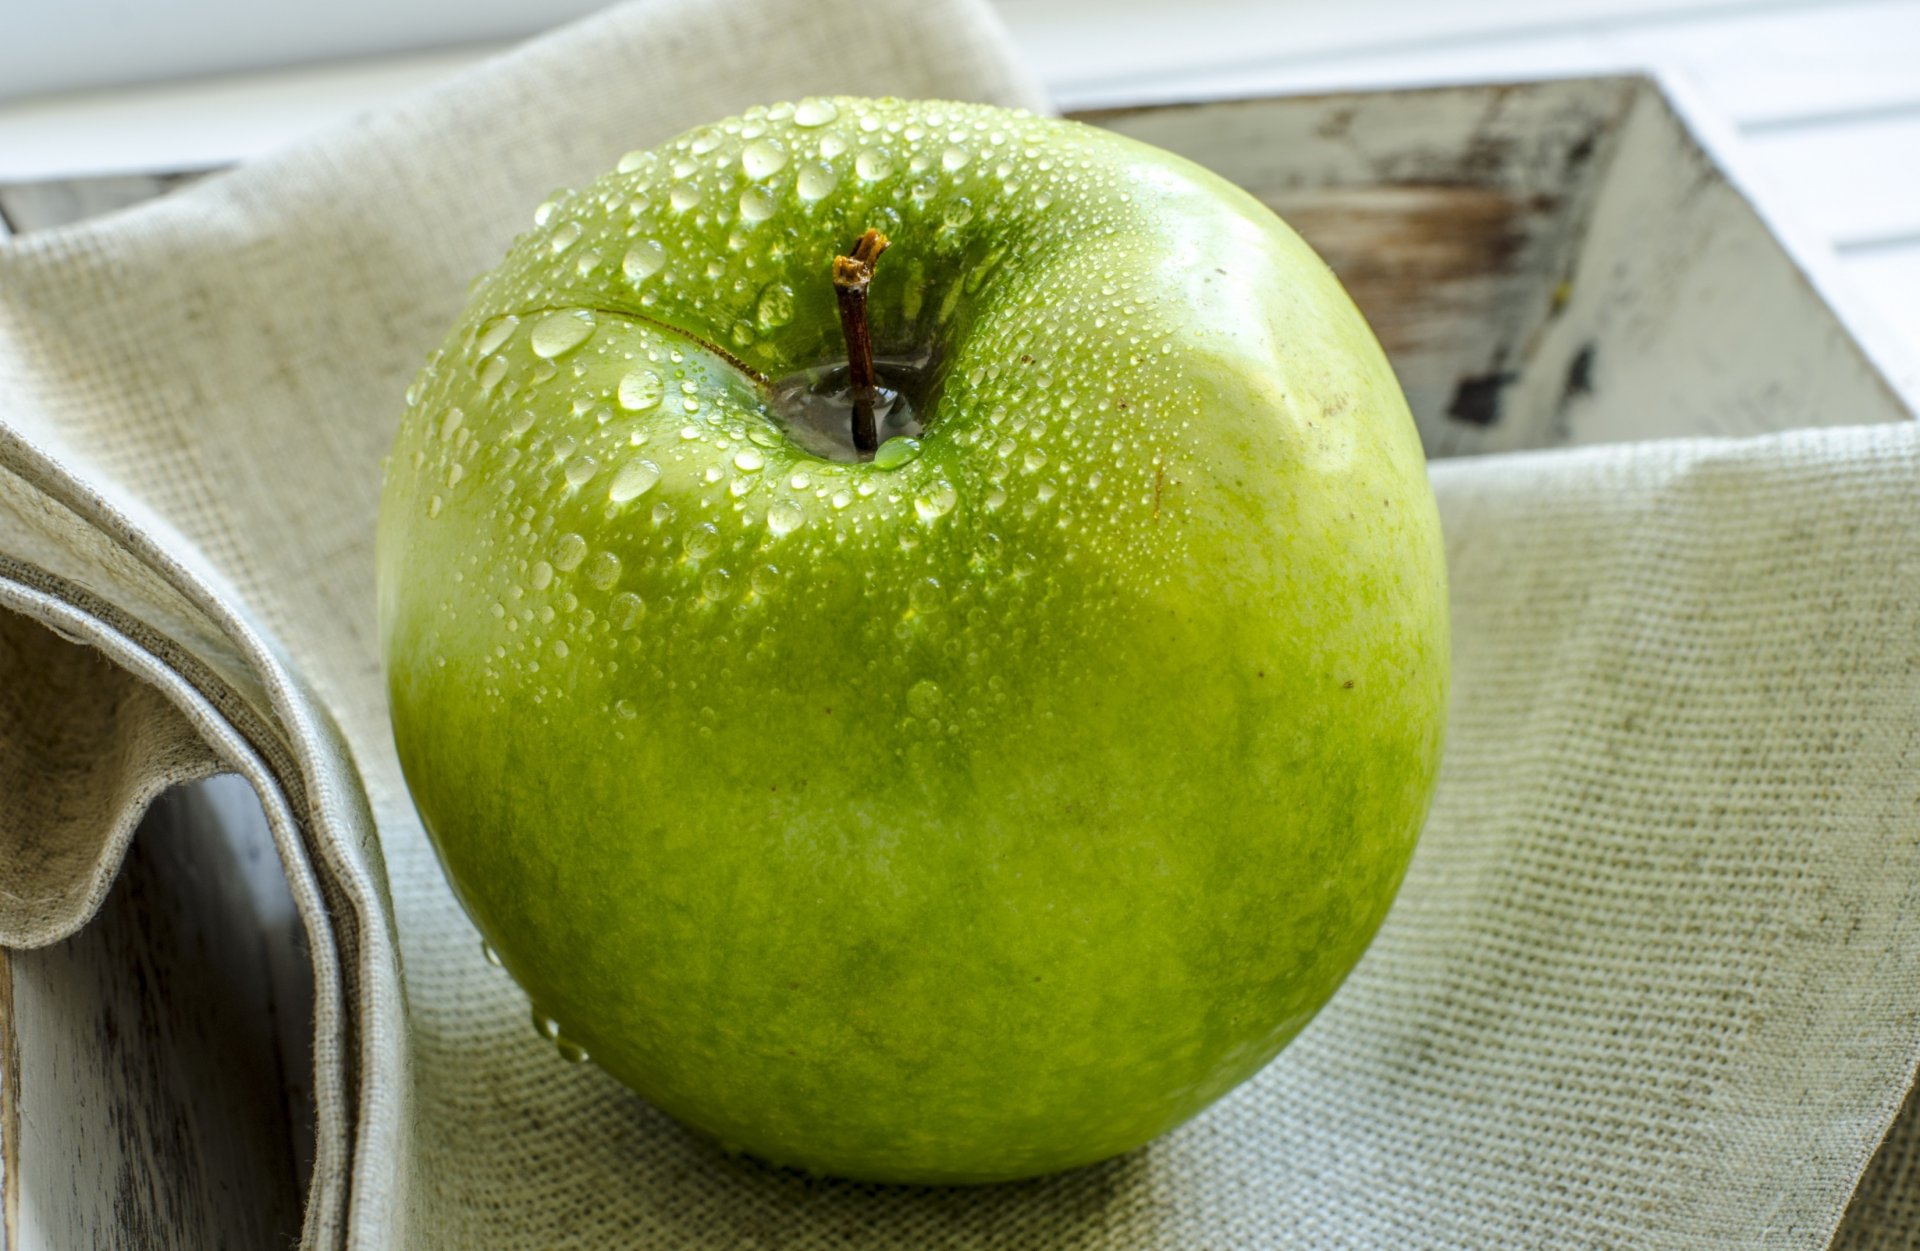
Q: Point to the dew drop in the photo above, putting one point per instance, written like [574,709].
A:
[634,479]
[954,158]
[568,552]
[716,584]
[625,610]
[565,237]
[937,502]
[748,460]
[763,158]
[603,570]
[814,112]
[775,308]
[873,164]
[923,698]
[706,141]
[765,580]
[450,422]
[640,390]
[702,541]
[896,452]
[816,180]
[541,575]
[492,956]
[580,471]
[927,596]
[492,373]
[756,205]
[570,1051]
[631,161]
[1033,460]
[556,334]
[685,195]
[434,506]
[624,709]
[494,335]
[643,260]
[662,513]
[784,518]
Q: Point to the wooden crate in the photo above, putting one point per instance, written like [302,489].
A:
[1547,263]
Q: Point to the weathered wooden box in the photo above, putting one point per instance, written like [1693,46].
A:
[1546,263]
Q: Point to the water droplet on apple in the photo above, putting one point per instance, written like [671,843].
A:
[756,205]
[814,112]
[784,518]
[1034,459]
[643,260]
[702,541]
[841,499]
[685,195]
[434,505]
[662,513]
[927,596]
[541,575]
[450,421]
[560,649]
[775,308]
[995,498]
[816,180]
[1045,492]
[763,158]
[923,698]
[765,579]
[873,164]
[716,584]
[491,956]
[603,570]
[570,1051]
[747,460]
[565,237]
[544,213]
[632,161]
[634,479]
[544,1025]
[896,452]
[581,470]
[937,502]
[568,551]
[625,610]
[624,709]
[640,389]
[706,141]
[556,334]
[954,158]
[494,335]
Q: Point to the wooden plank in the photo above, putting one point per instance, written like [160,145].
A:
[144,1101]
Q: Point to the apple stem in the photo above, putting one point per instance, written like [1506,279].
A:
[851,274]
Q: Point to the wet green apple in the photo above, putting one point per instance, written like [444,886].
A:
[963,811]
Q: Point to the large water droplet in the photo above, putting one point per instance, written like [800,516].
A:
[541,575]
[634,479]
[603,570]
[896,452]
[756,205]
[923,698]
[873,164]
[556,334]
[953,158]
[684,196]
[775,308]
[748,460]
[565,237]
[492,373]
[784,518]
[927,596]
[625,610]
[716,585]
[494,335]
[937,502]
[702,541]
[640,390]
[643,260]
[568,551]
[580,471]
[814,112]
[763,158]
[816,180]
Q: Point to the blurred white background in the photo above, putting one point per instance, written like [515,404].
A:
[1824,94]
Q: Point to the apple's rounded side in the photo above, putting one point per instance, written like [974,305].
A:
[1009,806]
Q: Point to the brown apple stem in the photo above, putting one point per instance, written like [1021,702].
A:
[851,274]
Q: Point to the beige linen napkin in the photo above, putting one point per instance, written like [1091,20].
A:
[1652,978]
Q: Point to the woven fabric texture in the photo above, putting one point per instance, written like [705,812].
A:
[1651,980]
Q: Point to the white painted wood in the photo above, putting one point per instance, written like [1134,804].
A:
[1857,178]
[1889,280]
[142,1088]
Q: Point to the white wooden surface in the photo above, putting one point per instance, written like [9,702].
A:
[1825,93]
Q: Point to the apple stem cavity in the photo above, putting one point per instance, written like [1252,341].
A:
[851,275]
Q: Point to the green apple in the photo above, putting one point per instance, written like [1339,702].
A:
[975,809]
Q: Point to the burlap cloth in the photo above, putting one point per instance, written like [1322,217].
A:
[1652,980]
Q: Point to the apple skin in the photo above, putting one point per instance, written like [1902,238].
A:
[959,821]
